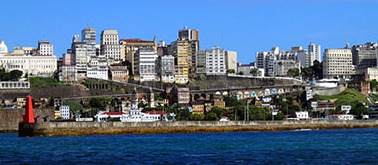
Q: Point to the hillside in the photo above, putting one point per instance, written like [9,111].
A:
[348,96]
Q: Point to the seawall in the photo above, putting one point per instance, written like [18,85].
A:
[9,118]
[115,128]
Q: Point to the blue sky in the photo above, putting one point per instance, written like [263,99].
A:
[245,26]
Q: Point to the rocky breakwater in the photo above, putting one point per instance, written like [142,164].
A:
[115,128]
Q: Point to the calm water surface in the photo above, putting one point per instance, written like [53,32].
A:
[351,146]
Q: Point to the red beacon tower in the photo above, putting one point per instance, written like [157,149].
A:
[28,117]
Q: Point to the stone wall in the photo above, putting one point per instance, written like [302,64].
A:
[9,118]
[102,128]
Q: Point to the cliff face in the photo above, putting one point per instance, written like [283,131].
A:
[9,118]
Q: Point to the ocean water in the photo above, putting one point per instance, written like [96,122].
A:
[347,146]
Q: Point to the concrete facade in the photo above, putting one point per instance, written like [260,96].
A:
[231,60]
[45,48]
[110,46]
[337,63]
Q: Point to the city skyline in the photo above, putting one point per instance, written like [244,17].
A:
[243,26]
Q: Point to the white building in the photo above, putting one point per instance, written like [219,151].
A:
[45,48]
[231,60]
[302,115]
[110,46]
[34,65]
[346,108]
[68,73]
[167,68]
[315,52]
[64,111]
[3,48]
[99,72]
[79,55]
[337,63]
[88,36]
[215,61]
[145,60]
[281,67]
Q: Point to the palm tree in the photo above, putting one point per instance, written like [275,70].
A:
[255,72]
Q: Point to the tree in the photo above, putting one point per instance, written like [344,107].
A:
[196,117]
[359,110]
[211,117]
[317,69]
[255,72]
[74,106]
[232,71]
[307,73]
[241,73]
[293,72]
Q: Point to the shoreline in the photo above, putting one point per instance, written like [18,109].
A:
[119,128]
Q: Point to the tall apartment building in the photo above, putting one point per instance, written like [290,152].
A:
[88,36]
[45,48]
[337,63]
[266,60]
[191,35]
[167,68]
[215,61]
[365,56]
[130,48]
[145,60]
[110,46]
[180,50]
[79,55]
[231,60]
[282,66]
[201,62]
[315,52]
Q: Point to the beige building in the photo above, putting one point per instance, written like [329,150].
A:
[231,60]
[337,63]
[130,48]
[180,50]
[119,72]
[282,66]
[198,108]
[110,46]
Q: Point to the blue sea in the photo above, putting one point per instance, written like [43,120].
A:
[346,146]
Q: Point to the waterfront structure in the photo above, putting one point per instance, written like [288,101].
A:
[281,67]
[145,64]
[337,63]
[302,115]
[45,48]
[191,35]
[340,117]
[198,107]
[130,48]
[215,61]
[110,46]
[180,50]
[88,36]
[64,112]
[231,60]
[314,52]
[365,56]
[119,72]
[167,68]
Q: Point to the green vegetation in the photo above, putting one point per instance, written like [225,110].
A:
[348,96]
[13,75]
[293,72]
[232,71]
[42,82]
[99,103]
[73,106]
[255,72]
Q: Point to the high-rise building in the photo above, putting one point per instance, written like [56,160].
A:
[231,60]
[79,55]
[365,56]
[110,46]
[167,68]
[130,48]
[180,50]
[191,35]
[215,61]
[88,36]
[315,53]
[281,67]
[337,63]
[45,48]
[201,62]
[145,60]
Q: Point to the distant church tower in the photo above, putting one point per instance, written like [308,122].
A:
[151,98]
